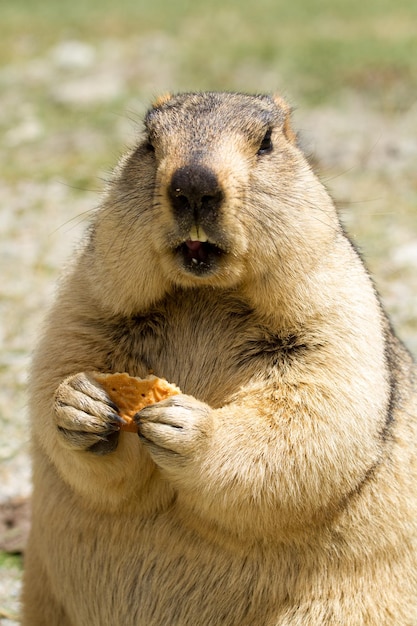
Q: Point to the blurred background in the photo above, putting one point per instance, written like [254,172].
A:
[75,79]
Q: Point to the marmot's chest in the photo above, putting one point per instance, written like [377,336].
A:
[208,345]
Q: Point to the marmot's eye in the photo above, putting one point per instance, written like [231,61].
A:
[149,146]
[266,144]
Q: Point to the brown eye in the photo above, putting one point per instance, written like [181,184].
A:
[266,144]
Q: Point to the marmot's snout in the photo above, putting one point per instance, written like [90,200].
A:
[196,197]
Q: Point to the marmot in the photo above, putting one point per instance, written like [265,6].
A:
[280,487]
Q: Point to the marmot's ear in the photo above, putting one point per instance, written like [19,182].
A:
[161,100]
[286,111]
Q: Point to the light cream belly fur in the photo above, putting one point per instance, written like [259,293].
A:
[170,567]
[142,571]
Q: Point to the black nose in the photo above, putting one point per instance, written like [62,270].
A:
[195,193]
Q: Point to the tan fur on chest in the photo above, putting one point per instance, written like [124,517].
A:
[210,347]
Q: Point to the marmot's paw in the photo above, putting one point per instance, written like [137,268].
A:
[85,416]
[173,430]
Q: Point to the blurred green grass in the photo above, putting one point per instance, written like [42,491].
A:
[315,48]
[11,560]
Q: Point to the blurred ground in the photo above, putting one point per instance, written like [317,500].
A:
[69,103]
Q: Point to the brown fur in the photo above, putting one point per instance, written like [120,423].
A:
[280,487]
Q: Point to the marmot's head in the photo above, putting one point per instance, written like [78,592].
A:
[207,149]
[215,192]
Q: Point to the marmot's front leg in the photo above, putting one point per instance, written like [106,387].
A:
[78,427]
[85,416]
[174,429]
[241,465]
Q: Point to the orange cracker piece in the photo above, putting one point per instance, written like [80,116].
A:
[132,394]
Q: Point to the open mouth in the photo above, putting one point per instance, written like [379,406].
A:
[199,257]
